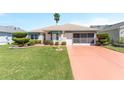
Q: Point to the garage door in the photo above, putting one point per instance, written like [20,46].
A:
[83,38]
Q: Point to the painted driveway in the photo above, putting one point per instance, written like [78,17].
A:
[96,63]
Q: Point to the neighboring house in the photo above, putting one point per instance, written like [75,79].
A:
[116,31]
[6,33]
[72,34]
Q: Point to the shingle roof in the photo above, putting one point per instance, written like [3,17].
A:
[10,29]
[65,27]
[109,27]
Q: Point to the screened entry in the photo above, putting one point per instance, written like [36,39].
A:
[83,38]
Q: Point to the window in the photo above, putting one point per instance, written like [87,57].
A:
[90,35]
[51,36]
[34,36]
[83,35]
[76,35]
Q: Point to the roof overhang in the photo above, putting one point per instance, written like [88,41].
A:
[66,27]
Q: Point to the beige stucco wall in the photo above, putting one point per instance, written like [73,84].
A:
[68,37]
[122,32]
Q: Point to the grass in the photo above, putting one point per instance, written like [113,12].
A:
[119,49]
[36,63]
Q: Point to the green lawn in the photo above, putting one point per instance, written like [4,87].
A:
[36,63]
[119,49]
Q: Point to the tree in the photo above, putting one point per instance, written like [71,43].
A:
[57,17]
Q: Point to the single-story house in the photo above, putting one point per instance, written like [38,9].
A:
[6,33]
[70,33]
[115,31]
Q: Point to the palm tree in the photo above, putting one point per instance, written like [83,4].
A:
[57,17]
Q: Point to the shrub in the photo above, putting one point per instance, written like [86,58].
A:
[13,43]
[98,43]
[56,43]
[63,43]
[121,41]
[37,41]
[20,38]
[118,45]
[103,39]
[19,34]
[46,42]
[31,42]
[51,43]
[102,36]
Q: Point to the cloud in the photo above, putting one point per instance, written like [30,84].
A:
[96,21]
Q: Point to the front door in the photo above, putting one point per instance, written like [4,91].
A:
[83,38]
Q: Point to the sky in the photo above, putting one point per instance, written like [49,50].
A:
[30,21]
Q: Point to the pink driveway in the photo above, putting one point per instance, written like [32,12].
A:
[96,63]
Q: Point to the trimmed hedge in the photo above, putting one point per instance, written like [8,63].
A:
[33,42]
[56,43]
[103,39]
[20,39]
[37,41]
[51,43]
[46,42]
[118,45]
[19,34]
[102,36]
[63,43]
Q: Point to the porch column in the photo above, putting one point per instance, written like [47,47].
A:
[51,36]
[94,38]
[62,36]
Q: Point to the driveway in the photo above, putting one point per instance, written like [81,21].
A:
[96,63]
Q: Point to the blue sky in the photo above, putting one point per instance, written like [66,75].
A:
[29,21]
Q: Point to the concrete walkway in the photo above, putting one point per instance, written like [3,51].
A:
[96,63]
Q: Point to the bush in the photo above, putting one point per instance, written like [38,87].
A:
[102,36]
[19,34]
[63,43]
[46,42]
[51,43]
[37,41]
[31,42]
[98,43]
[21,40]
[118,45]
[56,43]
[103,39]
[121,41]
